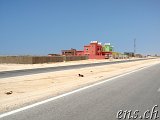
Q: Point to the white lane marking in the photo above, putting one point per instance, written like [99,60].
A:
[69,93]
[158,90]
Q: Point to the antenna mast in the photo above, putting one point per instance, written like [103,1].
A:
[134,46]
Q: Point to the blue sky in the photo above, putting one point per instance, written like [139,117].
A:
[39,27]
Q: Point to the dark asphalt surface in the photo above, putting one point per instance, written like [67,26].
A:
[15,73]
[135,91]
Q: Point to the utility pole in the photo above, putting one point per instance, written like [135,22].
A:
[134,46]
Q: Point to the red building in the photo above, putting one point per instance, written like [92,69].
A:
[80,53]
[93,50]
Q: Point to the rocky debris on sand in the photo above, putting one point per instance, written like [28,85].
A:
[8,92]
[80,75]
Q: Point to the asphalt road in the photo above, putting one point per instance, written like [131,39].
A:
[136,91]
[15,73]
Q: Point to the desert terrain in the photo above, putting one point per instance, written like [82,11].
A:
[32,88]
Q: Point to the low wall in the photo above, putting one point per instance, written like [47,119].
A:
[16,59]
[75,58]
[39,59]
[96,57]
[46,59]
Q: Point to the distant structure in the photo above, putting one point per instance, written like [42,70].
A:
[129,54]
[71,52]
[95,50]
[134,46]
[54,55]
[138,56]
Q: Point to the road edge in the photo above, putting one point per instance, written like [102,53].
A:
[72,92]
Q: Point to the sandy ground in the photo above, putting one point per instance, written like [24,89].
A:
[9,67]
[31,88]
